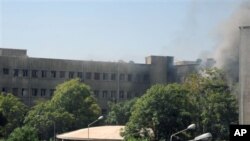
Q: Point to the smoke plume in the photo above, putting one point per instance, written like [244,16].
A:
[226,53]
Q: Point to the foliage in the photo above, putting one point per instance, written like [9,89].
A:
[164,109]
[25,133]
[120,112]
[204,99]
[216,103]
[75,98]
[46,119]
[12,110]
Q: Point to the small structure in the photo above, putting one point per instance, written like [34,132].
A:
[100,133]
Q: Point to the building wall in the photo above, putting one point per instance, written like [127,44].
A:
[32,79]
[244,75]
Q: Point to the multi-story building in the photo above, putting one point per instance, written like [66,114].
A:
[31,78]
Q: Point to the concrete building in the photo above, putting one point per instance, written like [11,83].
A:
[31,78]
[244,75]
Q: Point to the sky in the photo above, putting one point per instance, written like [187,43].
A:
[112,30]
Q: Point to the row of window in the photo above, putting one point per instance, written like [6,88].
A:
[104,94]
[71,74]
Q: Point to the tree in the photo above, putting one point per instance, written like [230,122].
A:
[48,120]
[164,109]
[13,111]
[215,102]
[25,133]
[120,112]
[75,98]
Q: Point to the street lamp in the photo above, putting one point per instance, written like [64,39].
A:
[204,136]
[190,127]
[99,118]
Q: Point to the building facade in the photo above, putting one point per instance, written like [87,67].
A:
[32,79]
[244,75]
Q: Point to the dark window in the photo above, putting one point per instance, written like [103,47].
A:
[104,111]
[25,73]
[146,78]
[44,73]
[97,76]
[129,77]
[122,76]
[53,74]
[34,73]
[6,71]
[104,94]
[16,72]
[24,92]
[96,93]
[79,74]
[71,74]
[43,92]
[113,76]
[34,92]
[15,91]
[51,92]
[62,74]
[105,76]
[121,94]
[88,75]
[4,89]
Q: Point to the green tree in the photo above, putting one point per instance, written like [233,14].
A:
[164,108]
[75,98]
[46,119]
[215,102]
[24,133]
[120,112]
[12,110]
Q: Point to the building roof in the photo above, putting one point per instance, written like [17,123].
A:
[95,133]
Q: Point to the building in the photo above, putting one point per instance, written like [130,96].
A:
[244,75]
[31,78]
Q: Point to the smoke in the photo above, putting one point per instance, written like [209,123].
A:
[226,53]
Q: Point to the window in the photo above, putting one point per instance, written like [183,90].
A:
[4,90]
[43,92]
[15,91]
[71,74]
[104,94]
[96,93]
[97,76]
[122,76]
[34,92]
[105,76]
[121,94]
[88,75]
[79,74]
[34,73]
[25,73]
[6,71]
[53,74]
[113,76]
[24,92]
[44,73]
[129,77]
[51,92]
[138,78]
[62,74]
[16,71]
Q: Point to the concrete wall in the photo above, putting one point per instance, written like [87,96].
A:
[244,75]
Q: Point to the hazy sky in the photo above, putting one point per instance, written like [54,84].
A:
[112,30]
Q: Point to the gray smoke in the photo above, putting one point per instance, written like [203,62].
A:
[226,53]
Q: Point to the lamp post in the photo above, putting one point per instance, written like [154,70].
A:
[202,137]
[99,118]
[190,127]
